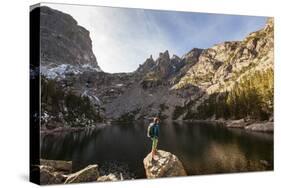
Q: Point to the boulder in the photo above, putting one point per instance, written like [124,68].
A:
[48,175]
[109,177]
[88,174]
[168,165]
[57,165]
[58,172]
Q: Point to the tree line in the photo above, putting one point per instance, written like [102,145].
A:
[251,97]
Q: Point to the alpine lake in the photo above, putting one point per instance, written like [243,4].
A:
[203,148]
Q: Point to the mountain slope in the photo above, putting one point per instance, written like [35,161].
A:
[66,54]
[203,83]
[202,76]
[225,66]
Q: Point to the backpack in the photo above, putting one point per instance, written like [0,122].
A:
[150,130]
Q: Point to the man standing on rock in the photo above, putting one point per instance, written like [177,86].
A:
[153,133]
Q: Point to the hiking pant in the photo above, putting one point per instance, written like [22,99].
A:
[154,143]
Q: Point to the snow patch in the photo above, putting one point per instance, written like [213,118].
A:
[62,70]
[91,67]
[119,85]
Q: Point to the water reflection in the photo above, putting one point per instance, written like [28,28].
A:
[202,148]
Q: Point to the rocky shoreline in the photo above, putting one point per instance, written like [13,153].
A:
[63,129]
[249,125]
[60,172]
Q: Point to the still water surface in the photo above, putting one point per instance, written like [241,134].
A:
[203,148]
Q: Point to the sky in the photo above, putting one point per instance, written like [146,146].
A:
[123,38]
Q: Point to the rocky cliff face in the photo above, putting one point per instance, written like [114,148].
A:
[162,68]
[218,64]
[223,67]
[67,63]
[66,47]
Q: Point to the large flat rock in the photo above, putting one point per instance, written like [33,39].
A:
[64,166]
[88,174]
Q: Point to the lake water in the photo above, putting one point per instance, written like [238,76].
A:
[202,148]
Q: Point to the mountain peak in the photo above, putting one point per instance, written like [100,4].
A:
[175,57]
[63,41]
[270,22]
[164,55]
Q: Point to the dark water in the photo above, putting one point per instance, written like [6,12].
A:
[202,148]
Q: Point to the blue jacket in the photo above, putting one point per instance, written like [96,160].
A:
[155,130]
